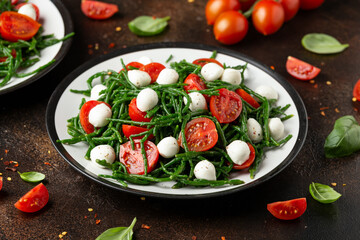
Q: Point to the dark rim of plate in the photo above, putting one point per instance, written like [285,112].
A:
[52,105]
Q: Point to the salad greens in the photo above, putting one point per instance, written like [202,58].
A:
[148,26]
[322,43]
[118,233]
[32,176]
[323,193]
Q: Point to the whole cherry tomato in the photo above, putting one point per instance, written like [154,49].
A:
[291,7]
[268,16]
[310,4]
[215,7]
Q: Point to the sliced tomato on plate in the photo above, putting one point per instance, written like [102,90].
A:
[356,91]
[288,210]
[226,106]
[300,69]
[249,161]
[98,10]
[1,182]
[133,159]
[129,130]
[136,114]
[153,69]
[203,61]
[37,11]
[247,98]
[84,115]
[194,82]
[34,200]
[132,65]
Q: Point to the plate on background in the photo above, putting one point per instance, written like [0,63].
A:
[55,19]
[63,105]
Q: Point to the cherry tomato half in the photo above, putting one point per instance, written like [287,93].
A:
[133,65]
[34,200]
[249,161]
[201,134]
[356,91]
[1,182]
[136,114]
[15,26]
[247,98]
[129,130]
[84,115]
[13,2]
[300,69]
[291,7]
[195,83]
[230,27]
[133,159]
[215,7]
[153,69]
[268,16]
[310,4]
[203,61]
[98,10]
[226,106]
[17,7]
[288,210]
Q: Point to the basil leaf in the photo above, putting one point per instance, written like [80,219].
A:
[344,138]
[322,43]
[118,233]
[32,176]
[148,26]
[323,193]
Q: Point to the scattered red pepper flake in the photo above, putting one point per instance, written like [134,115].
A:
[7,163]
[90,46]
[144,226]
[324,108]
[153,17]
[223,238]
[91,52]
[111,45]
[193,238]
[46,163]
[95,216]
[322,113]
[315,85]
[337,110]
[97,221]
[272,67]
[312,81]
[6,151]
[356,110]
[105,52]
[85,217]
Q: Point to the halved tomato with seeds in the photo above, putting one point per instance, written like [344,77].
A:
[356,91]
[34,200]
[194,82]
[288,210]
[153,69]
[129,130]
[226,106]
[247,98]
[300,69]
[249,161]
[84,115]
[136,114]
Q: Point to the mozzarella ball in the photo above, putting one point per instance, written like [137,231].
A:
[238,151]
[98,115]
[95,91]
[211,72]
[231,76]
[28,10]
[205,170]
[167,76]
[146,99]
[144,60]
[198,101]
[168,147]
[267,91]
[139,78]
[102,152]
[254,130]
[276,128]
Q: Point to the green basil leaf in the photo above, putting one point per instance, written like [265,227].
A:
[322,43]
[344,138]
[148,26]
[32,176]
[118,233]
[323,193]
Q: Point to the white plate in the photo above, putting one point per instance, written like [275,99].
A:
[64,105]
[55,19]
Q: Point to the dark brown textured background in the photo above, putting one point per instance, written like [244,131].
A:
[241,215]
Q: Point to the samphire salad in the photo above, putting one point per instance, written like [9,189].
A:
[193,123]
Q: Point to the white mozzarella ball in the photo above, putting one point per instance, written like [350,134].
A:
[211,72]
[198,101]
[28,10]
[95,91]
[231,76]
[276,128]
[139,78]
[267,91]
[167,76]
[238,151]
[255,132]
[98,115]
[102,152]
[146,99]
[205,170]
[144,60]
[168,147]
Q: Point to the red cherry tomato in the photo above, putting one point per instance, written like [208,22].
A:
[132,64]
[136,114]
[13,2]
[34,200]
[249,161]
[246,4]
[153,69]
[215,7]
[226,107]
[84,115]
[201,134]
[17,7]
[268,16]
[13,53]
[15,26]
[195,83]
[288,210]
[356,91]
[133,159]
[291,7]
[203,61]
[310,4]
[247,98]
[230,27]
[129,130]
[1,182]
[98,10]
[300,69]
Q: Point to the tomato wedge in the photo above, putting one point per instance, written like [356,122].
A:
[226,107]
[15,26]
[34,200]
[247,98]
[356,91]
[136,114]
[17,7]
[98,10]
[201,134]
[129,130]
[1,182]
[203,61]
[194,82]
[84,115]
[249,161]
[300,69]
[153,69]
[133,159]
[288,210]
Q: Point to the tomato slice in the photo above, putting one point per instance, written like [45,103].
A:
[17,7]
[194,82]
[300,69]
[249,161]
[15,26]
[226,107]
[203,61]
[1,182]
[133,159]
[201,134]
[129,130]
[153,69]
[34,200]
[98,10]
[288,210]
[84,115]
[136,114]
[247,98]
[356,91]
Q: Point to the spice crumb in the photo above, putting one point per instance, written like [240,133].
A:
[85,217]
[312,81]
[90,209]
[64,233]
[344,184]
[6,151]
[142,198]
[111,45]
[193,238]
[328,82]
[96,46]
[315,85]
[191,1]
[223,238]
[95,216]
[354,99]
[337,110]
[322,113]
[144,226]
[333,184]
[61,236]
[9,178]
[46,163]
[97,221]
[324,108]
[272,67]
[118,29]
[0,174]
[90,46]
[49,152]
